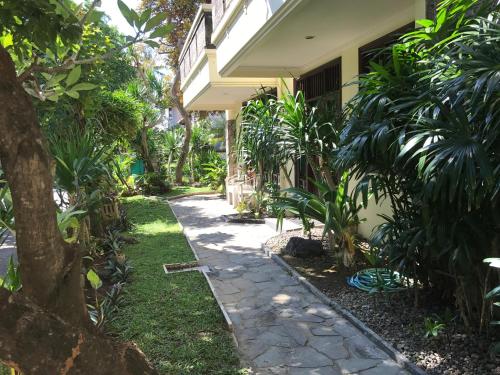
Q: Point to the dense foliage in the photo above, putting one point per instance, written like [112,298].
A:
[423,132]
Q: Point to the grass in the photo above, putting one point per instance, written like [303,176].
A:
[180,190]
[174,319]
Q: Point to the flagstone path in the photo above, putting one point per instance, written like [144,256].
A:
[281,327]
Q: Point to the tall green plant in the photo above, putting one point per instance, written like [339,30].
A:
[259,137]
[332,207]
[173,140]
[309,132]
[423,133]
[80,160]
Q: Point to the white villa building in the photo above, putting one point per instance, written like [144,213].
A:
[236,47]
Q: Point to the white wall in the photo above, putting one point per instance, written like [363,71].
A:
[248,18]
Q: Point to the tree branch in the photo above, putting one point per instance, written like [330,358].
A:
[70,63]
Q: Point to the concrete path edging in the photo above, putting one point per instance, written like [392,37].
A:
[397,356]
[281,327]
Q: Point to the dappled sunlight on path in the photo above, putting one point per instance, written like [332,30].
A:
[281,327]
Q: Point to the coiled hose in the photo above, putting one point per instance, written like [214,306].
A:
[373,280]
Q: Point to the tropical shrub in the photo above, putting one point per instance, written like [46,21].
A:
[258,138]
[332,207]
[80,160]
[215,172]
[311,133]
[423,133]
[173,140]
[117,115]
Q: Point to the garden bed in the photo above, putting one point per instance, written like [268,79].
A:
[392,316]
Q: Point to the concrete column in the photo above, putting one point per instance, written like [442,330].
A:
[350,70]
[284,87]
[231,128]
[420,9]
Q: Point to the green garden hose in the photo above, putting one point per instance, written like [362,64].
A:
[373,280]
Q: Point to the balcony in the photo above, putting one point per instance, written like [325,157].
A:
[202,86]
[219,8]
[197,41]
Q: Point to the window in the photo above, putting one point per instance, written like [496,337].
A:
[374,51]
[323,82]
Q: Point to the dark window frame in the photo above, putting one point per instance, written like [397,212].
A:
[322,70]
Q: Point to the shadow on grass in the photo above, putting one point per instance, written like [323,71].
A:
[174,318]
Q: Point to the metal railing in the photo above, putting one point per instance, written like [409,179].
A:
[199,38]
[218,10]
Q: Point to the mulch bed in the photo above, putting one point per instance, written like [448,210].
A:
[393,316]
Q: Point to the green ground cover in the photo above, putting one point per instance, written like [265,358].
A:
[181,190]
[174,319]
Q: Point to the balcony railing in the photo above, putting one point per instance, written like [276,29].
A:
[198,39]
[219,8]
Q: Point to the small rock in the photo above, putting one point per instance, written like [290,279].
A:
[303,248]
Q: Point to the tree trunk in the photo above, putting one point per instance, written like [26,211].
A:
[176,98]
[27,346]
[50,268]
[145,150]
[260,176]
[314,167]
[287,175]
[327,174]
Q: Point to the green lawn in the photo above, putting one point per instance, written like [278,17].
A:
[180,190]
[174,319]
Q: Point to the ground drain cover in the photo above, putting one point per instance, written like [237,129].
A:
[184,267]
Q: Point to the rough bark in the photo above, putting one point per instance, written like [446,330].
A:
[145,150]
[50,268]
[175,92]
[35,341]
[314,167]
[46,330]
[327,173]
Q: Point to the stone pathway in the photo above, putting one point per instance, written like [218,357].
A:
[7,250]
[281,327]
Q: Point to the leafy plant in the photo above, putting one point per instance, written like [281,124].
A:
[258,137]
[12,279]
[215,172]
[113,241]
[311,133]
[433,327]
[79,160]
[258,203]
[68,223]
[119,268]
[334,208]
[6,213]
[241,207]
[173,140]
[155,183]
[423,133]
[121,172]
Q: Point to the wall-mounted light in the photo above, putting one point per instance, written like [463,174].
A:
[309,37]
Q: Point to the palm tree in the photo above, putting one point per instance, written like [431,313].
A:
[174,139]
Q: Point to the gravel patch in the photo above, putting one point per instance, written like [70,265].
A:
[455,351]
